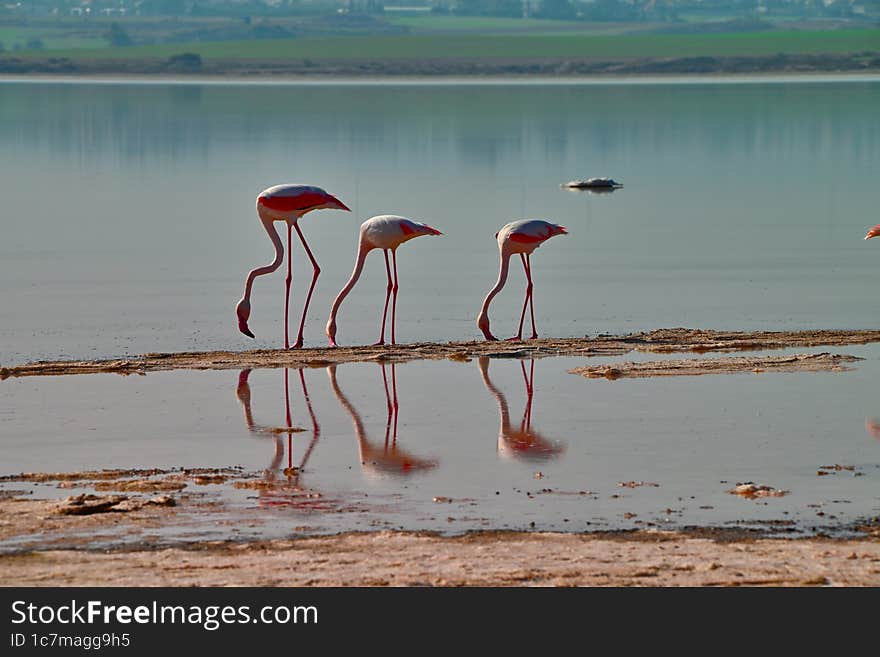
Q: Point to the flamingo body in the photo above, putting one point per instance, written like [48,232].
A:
[286,203]
[386,232]
[290,202]
[518,238]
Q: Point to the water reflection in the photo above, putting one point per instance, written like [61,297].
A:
[387,458]
[288,488]
[521,442]
[596,191]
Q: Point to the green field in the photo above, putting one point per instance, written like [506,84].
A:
[433,23]
[53,39]
[505,46]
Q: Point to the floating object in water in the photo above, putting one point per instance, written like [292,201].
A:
[594,183]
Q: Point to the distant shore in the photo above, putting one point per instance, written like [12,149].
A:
[185,65]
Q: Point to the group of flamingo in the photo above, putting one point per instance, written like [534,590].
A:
[289,203]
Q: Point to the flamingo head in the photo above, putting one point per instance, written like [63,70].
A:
[483,325]
[874,232]
[243,310]
[331,331]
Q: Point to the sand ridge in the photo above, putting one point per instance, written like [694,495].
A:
[657,341]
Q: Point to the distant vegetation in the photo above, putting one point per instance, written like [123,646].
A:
[315,33]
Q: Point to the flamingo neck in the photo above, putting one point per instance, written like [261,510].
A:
[503,410]
[267,269]
[363,250]
[502,279]
[359,430]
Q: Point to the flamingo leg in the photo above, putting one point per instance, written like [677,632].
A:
[288,417]
[316,428]
[522,316]
[388,404]
[315,273]
[394,309]
[394,403]
[528,263]
[387,297]
[287,281]
[527,415]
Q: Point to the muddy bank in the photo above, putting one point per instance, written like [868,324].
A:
[658,341]
[480,559]
[823,362]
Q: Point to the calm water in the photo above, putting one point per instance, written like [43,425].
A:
[128,220]
[467,432]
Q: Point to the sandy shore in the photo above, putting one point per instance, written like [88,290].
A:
[482,559]
[121,540]
[823,362]
[658,341]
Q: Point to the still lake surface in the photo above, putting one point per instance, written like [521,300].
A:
[128,220]
[128,226]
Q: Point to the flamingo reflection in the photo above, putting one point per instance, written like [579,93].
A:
[872,426]
[286,491]
[520,442]
[386,458]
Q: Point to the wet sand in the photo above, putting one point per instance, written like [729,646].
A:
[823,362]
[657,341]
[480,559]
[120,543]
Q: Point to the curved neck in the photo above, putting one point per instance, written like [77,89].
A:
[503,410]
[363,249]
[502,279]
[359,430]
[268,269]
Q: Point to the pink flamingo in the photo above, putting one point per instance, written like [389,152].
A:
[521,237]
[285,203]
[525,441]
[874,232]
[385,232]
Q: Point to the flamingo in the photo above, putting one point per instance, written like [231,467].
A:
[386,232]
[523,442]
[389,458]
[521,237]
[286,203]
[273,492]
[874,232]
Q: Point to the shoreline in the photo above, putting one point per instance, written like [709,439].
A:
[795,77]
[177,66]
[665,341]
[475,559]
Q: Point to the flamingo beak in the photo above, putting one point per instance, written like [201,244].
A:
[874,232]
[336,204]
[433,231]
[243,327]
[562,230]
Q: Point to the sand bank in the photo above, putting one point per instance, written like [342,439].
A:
[823,362]
[658,341]
[484,559]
